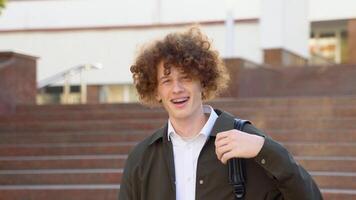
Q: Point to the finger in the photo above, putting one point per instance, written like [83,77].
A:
[222,142]
[227,134]
[223,134]
[222,150]
[227,156]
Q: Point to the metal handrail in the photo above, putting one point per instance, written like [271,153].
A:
[69,72]
[66,75]
[316,58]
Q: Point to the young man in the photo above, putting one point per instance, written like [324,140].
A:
[186,158]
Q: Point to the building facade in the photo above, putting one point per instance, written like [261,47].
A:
[69,33]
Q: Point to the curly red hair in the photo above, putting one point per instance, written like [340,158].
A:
[191,51]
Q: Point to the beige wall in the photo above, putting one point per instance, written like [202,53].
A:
[114,48]
[117,93]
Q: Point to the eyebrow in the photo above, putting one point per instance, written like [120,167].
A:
[163,77]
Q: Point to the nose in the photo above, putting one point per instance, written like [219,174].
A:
[177,87]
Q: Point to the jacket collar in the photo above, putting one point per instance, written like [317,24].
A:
[160,134]
[224,122]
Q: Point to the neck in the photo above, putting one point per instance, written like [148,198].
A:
[190,127]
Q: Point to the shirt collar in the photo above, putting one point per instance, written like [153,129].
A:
[224,122]
[208,126]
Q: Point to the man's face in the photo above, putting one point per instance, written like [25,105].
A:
[181,94]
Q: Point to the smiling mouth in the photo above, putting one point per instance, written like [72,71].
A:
[180,101]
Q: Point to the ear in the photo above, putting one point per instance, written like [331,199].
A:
[158,97]
[203,93]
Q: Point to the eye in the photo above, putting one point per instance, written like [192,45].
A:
[187,78]
[165,81]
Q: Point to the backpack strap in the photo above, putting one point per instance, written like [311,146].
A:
[236,167]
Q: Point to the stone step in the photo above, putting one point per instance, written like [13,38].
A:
[79,107]
[296,148]
[303,124]
[292,135]
[84,115]
[243,102]
[60,192]
[151,124]
[285,101]
[74,137]
[66,149]
[335,180]
[114,161]
[60,176]
[338,194]
[328,163]
[103,125]
[332,164]
[312,135]
[106,192]
[249,113]
[78,151]
[321,149]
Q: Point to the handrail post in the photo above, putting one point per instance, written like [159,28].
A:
[66,88]
[66,75]
[83,85]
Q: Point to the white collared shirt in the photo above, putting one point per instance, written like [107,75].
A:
[186,153]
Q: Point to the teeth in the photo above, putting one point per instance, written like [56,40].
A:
[179,100]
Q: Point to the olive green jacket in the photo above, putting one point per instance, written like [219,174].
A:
[272,174]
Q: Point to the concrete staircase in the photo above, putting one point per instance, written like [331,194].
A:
[78,151]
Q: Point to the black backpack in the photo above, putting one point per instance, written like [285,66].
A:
[236,167]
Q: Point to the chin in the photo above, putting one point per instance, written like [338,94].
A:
[180,114]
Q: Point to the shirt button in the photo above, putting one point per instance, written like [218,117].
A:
[201,182]
[263,161]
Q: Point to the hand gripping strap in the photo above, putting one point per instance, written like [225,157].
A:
[236,171]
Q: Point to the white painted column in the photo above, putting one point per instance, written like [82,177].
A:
[103,94]
[126,95]
[156,12]
[66,88]
[317,41]
[83,85]
[229,29]
[284,24]
[338,46]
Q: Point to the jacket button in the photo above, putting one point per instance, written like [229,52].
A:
[201,182]
[263,161]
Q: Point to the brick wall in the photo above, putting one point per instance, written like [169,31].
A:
[17,79]
[335,80]
[351,29]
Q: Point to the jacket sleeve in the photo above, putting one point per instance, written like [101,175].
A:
[129,181]
[293,181]
[125,192]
